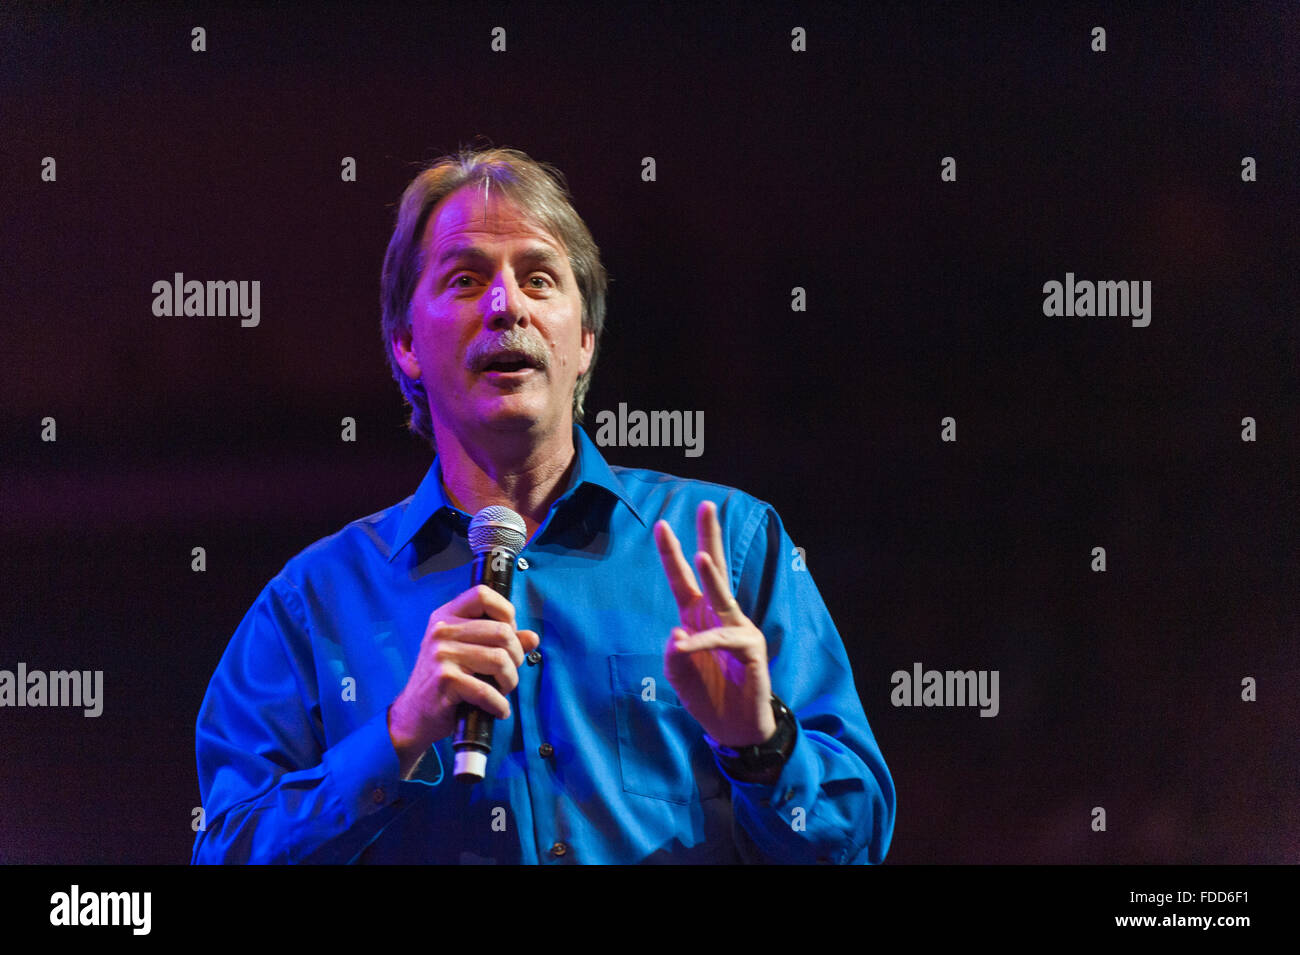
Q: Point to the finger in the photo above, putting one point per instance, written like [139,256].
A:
[718,590]
[529,640]
[708,535]
[676,656]
[679,644]
[680,578]
[740,642]
[467,688]
[484,633]
[481,601]
[494,662]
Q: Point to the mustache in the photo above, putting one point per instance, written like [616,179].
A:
[483,351]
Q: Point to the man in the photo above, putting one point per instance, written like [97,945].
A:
[643,713]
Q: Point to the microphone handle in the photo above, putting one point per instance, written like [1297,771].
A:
[473,740]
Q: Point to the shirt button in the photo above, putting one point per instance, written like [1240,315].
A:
[545,750]
[559,849]
[522,563]
[534,658]
[377,796]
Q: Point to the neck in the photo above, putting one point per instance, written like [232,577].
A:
[523,475]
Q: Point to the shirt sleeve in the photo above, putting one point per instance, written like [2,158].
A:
[272,790]
[834,800]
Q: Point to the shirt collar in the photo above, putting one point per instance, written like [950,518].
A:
[430,498]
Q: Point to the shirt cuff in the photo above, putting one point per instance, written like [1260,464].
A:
[797,784]
[364,769]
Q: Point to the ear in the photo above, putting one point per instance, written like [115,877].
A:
[588,349]
[405,354]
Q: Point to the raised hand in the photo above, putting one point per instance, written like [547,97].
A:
[716,660]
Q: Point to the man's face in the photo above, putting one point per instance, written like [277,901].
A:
[496,322]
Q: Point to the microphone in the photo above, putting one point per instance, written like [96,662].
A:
[496,536]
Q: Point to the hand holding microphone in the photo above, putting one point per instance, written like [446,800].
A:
[473,633]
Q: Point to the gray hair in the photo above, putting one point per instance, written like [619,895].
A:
[540,190]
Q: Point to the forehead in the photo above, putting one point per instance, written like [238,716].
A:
[479,215]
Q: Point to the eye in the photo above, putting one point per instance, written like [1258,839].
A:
[544,280]
[455,280]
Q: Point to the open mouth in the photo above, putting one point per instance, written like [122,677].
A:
[509,362]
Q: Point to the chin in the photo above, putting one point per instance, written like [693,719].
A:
[515,419]
[525,419]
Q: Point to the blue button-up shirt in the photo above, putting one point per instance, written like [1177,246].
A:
[598,763]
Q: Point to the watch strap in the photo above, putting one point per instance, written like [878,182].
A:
[759,759]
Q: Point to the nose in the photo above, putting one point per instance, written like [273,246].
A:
[506,304]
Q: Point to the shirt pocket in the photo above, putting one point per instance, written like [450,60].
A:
[661,749]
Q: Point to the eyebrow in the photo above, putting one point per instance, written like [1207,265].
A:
[537,254]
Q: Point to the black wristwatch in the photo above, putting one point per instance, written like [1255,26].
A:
[761,759]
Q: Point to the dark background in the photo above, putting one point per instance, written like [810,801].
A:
[775,169]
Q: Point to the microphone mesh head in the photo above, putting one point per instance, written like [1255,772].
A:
[497,527]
